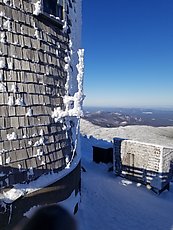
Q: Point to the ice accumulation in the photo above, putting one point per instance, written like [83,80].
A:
[22,189]
[2,87]
[14,88]
[11,136]
[73,104]
[38,7]
[74,67]
[1,76]
[2,63]
[7,24]
[2,14]
[29,113]
[19,101]
[72,100]
[2,37]
[10,100]
[110,202]
[6,2]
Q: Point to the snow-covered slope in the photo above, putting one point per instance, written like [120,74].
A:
[113,203]
[162,135]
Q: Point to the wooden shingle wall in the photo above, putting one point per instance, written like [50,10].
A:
[32,84]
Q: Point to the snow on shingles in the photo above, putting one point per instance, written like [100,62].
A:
[7,24]
[10,101]
[1,76]
[2,37]
[19,101]
[29,113]
[73,98]
[2,63]
[7,2]
[21,189]
[37,6]
[14,88]
[3,87]
[77,99]
[12,136]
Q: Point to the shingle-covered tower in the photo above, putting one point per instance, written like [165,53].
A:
[41,95]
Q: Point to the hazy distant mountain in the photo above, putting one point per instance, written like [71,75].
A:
[126,116]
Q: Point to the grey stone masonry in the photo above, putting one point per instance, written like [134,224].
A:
[32,84]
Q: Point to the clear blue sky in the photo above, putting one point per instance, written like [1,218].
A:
[128,53]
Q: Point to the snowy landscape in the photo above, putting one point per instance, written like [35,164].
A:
[115,117]
[110,202]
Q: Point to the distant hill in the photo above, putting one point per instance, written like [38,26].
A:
[126,116]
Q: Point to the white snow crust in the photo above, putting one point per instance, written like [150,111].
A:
[22,189]
[110,202]
[38,7]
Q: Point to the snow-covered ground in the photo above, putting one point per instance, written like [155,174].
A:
[110,202]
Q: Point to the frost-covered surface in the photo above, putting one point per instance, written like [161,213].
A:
[2,37]
[22,189]
[14,88]
[38,7]
[110,202]
[7,24]
[2,63]
[148,156]
[11,136]
[75,17]
[73,104]
[73,99]
[6,1]
[2,87]
[10,101]
[19,101]
[29,113]
[160,136]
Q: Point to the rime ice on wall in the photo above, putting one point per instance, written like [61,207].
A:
[37,7]
[147,163]
[41,93]
[73,98]
[146,156]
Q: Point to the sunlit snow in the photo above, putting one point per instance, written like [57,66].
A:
[110,202]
